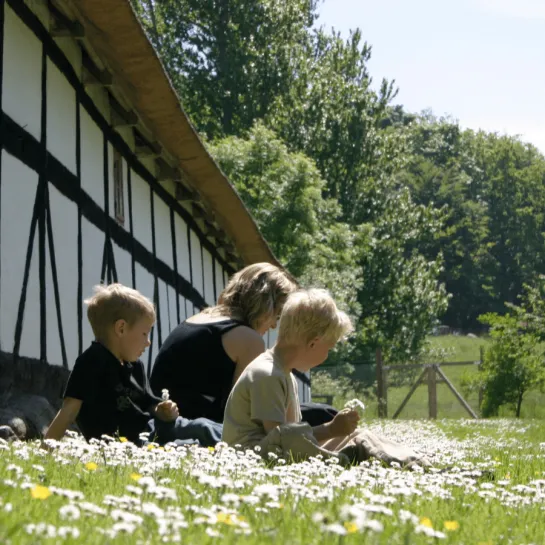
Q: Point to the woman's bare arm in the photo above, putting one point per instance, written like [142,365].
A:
[242,345]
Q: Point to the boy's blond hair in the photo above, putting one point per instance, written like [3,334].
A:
[254,293]
[116,302]
[309,314]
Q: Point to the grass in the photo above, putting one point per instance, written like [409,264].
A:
[450,348]
[459,347]
[490,493]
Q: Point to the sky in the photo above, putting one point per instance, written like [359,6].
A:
[480,61]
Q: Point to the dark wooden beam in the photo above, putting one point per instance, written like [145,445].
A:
[104,79]
[199,212]
[92,74]
[153,151]
[166,172]
[213,232]
[63,26]
[120,116]
[184,194]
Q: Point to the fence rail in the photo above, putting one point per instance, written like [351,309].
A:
[432,374]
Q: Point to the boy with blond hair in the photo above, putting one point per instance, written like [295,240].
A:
[263,408]
[108,391]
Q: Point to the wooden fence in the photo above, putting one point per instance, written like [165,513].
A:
[432,374]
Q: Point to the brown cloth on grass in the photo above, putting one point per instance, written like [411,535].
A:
[297,441]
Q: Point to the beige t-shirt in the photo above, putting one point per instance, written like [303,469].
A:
[264,391]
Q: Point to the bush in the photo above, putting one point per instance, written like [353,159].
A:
[343,388]
[513,364]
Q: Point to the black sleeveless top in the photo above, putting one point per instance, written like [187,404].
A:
[194,367]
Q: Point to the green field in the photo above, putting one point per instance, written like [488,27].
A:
[490,491]
[450,348]
[453,348]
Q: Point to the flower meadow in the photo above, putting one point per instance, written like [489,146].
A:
[487,487]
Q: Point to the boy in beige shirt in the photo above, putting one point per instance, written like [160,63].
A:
[263,408]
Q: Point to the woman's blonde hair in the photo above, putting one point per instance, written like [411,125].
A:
[309,314]
[254,293]
[116,302]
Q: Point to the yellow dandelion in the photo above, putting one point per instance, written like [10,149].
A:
[136,476]
[451,525]
[351,527]
[40,492]
[123,440]
[91,466]
[211,449]
[425,521]
[225,518]
[150,447]
[508,476]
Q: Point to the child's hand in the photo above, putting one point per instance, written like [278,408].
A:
[167,411]
[344,423]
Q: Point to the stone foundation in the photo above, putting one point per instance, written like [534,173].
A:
[30,395]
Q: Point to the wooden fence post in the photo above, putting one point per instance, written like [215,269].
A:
[381,385]
[432,391]
[481,390]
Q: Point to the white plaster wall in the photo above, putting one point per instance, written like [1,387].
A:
[141,210]
[219,280]
[183,308]
[61,117]
[208,277]
[22,87]
[172,314]
[122,265]
[92,246]
[19,184]
[92,161]
[64,220]
[196,262]
[163,235]
[182,248]
[22,101]
[164,311]
[144,284]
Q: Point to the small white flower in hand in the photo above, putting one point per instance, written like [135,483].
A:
[165,395]
[355,405]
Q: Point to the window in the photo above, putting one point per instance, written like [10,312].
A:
[119,204]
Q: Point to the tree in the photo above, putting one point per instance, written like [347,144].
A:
[491,189]
[322,184]
[512,365]
[284,192]
[229,59]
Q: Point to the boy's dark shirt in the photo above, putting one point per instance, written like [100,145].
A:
[116,398]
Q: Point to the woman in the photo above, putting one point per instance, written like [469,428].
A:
[202,358]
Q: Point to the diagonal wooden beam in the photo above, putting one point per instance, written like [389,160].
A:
[411,392]
[455,392]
